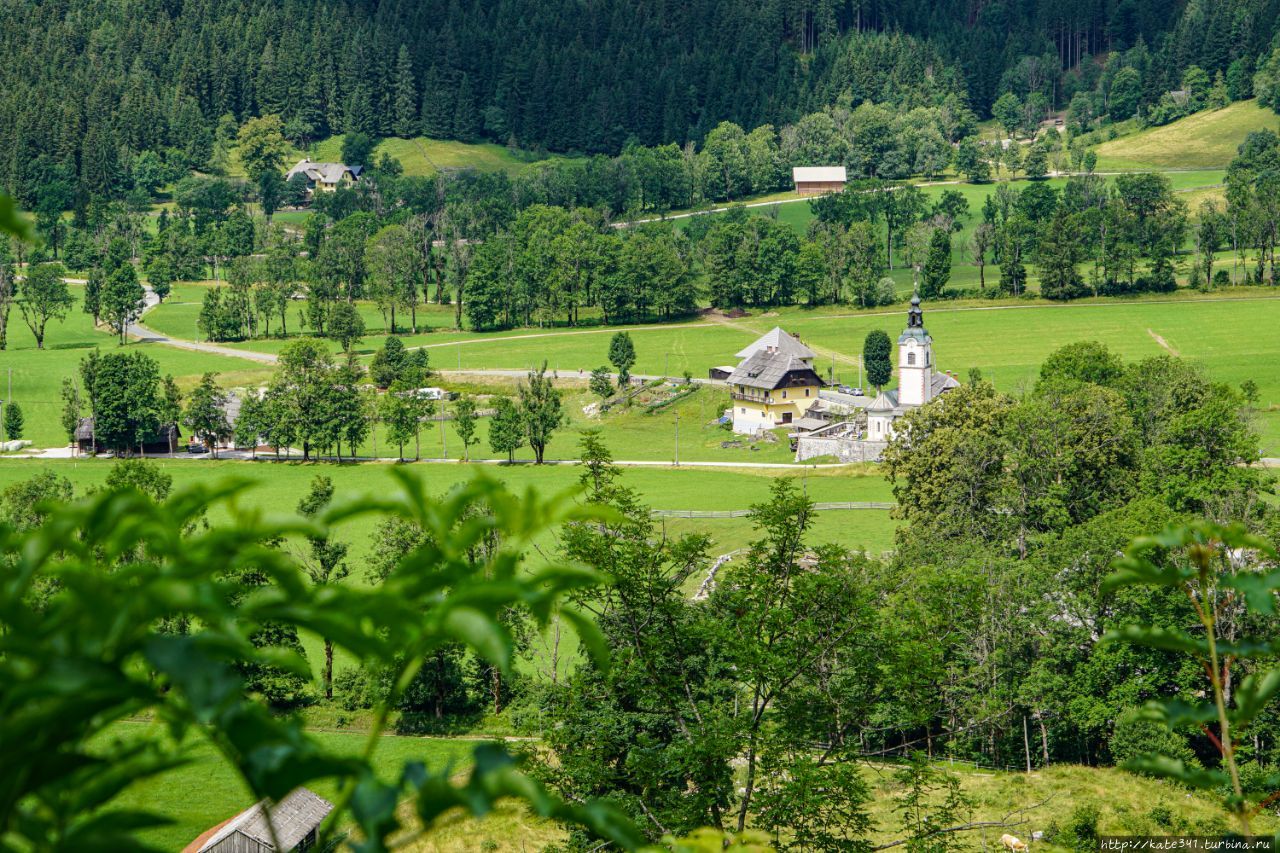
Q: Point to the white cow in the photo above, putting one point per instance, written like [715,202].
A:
[1013,844]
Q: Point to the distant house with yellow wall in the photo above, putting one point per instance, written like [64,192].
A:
[774,384]
[325,177]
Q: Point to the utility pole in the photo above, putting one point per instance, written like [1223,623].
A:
[444,446]
[677,439]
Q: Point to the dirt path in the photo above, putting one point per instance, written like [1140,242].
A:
[151,336]
[1162,342]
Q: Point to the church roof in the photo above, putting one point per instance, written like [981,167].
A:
[767,370]
[885,401]
[943,382]
[781,341]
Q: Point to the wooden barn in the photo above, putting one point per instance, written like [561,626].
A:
[295,819]
[818,180]
[165,439]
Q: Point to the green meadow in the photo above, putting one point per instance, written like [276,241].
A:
[203,791]
[1205,140]
[1006,340]
[37,374]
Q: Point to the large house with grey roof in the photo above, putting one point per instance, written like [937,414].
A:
[775,383]
[324,177]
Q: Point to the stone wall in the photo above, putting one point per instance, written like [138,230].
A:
[844,449]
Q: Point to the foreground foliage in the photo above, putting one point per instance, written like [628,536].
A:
[120,605]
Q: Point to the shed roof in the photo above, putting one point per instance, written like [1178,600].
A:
[297,814]
[166,432]
[819,174]
[778,340]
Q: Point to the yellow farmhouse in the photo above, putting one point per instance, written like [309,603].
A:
[774,384]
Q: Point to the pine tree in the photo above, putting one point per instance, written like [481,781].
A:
[466,117]
[405,95]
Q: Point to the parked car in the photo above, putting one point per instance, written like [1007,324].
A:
[197,447]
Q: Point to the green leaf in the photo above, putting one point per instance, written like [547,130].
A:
[481,632]
[1167,639]
[1178,770]
[1176,713]
[1253,694]
[13,222]
[590,635]
[1259,590]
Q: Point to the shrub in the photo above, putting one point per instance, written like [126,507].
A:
[1133,737]
[1081,830]
[351,689]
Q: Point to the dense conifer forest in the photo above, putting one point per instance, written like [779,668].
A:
[89,86]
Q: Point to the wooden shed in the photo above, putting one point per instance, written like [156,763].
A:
[818,180]
[295,819]
[165,439]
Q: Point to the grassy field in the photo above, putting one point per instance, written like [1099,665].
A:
[278,487]
[418,156]
[1205,140]
[37,374]
[1125,804]
[204,791]
[1007,340]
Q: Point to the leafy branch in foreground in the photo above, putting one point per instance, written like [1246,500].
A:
[122,566]
[1230,577]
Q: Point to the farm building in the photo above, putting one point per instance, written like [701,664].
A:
[165,439]
[816,180]
[774,383]
[295,820]
[324,177]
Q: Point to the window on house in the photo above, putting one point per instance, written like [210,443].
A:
[806,392]
[784,395]
[911,359]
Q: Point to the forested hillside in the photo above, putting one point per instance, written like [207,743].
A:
[89,87]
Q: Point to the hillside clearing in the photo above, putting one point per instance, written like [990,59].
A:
[1205,140]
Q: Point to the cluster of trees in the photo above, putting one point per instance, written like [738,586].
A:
[1251,219]
[977,636]
[224,657]
[550,263]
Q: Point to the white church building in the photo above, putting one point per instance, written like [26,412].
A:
[919,381]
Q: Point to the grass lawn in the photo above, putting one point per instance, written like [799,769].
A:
[277,487]
[205,791]
[418,156]
[1126,804]
[1205,140]
[38,374]
[1006,339]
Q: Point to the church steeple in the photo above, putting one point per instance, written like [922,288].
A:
[915,359]
[915,317]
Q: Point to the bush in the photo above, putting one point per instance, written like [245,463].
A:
[1081,830]
[1221,278]
[1133,737]
[351,689]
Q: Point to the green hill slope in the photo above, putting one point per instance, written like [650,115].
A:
[421,156]
[1206,140]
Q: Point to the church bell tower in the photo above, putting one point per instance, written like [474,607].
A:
[915,359]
